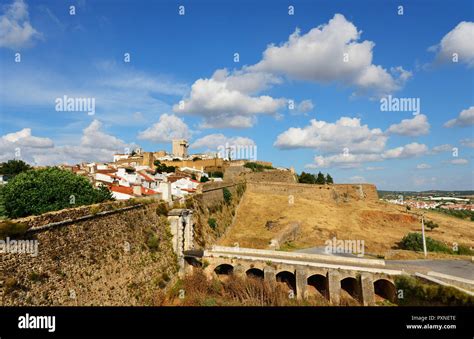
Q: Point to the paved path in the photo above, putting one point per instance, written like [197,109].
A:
[460,268]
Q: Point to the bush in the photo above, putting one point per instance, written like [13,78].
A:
[152,241]
[256,167]
[431,225]
[227,195]
[204,179]
[212,223]
[38,191]
[9,229]
[416,293]
[414,242]
[13,167]
[162,209]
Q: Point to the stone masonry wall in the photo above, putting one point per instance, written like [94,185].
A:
[337,192]
[118,259]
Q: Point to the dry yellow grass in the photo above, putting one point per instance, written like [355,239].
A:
[379,224]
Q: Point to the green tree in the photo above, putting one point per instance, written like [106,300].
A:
[50,189]
[306,178]
[320,180]
[163,168]
[329,179]
[13,167]
[227,195]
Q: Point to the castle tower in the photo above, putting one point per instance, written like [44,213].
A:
[180,148]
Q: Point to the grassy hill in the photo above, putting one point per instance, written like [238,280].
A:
[379,224]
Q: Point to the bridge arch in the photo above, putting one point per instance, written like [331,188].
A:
[318,283]
[254,273]
[224,269]
[386,289]
[351,286]
[287,278]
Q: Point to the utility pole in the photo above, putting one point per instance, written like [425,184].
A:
[423,232]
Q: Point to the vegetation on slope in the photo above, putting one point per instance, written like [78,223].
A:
[38,191]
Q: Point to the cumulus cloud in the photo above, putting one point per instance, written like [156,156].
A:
[226,100]
[408,151]
[350,160]
[423,166]
[15,27]
[467,142]
[343,160]
[168,127]
[319,55]
[334,137]
[465,118]
[458,41]
[459,161]
[94,145]
[416,126]
[305,106]
[24,138]
[441,148]
[213,141]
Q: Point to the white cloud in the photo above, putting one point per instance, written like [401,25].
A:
[168,127]
[408,151]
[416,126]
[15,27]
[441,148]
[119,92]
[423,166]
[93,136]
[319,55]
[226,100]
[334,137]
[459,161]
[374,168]
[343,160]
[95,145]
[24,138]
[305,106]
[465,118]
[458,41]
[213,141]
[467,142]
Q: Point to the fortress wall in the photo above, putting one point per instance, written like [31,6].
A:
[338,192]
[117,259]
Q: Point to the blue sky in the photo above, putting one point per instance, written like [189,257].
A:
[343,59]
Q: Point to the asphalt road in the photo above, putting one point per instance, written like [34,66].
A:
[459,268]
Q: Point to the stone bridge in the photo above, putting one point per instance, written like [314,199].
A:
[304,274]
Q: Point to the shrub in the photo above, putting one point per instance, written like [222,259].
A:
[152,241]
[414,242]
[204,179]
[431,225]
[10,229]
[38,191]
[256,167]
[227,195]
[162,209]
[212,223]
[417,293]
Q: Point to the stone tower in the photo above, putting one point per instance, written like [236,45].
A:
[180,148]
